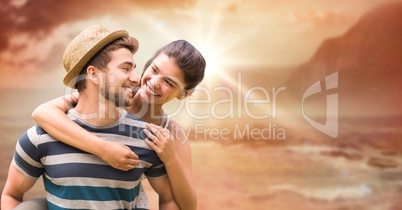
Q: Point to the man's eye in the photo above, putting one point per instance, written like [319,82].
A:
[126,68]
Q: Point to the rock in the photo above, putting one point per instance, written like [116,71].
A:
[338,153]
[390,152]
[382,162]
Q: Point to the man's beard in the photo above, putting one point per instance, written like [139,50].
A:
[119,98]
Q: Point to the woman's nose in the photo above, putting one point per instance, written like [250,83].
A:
[155,81]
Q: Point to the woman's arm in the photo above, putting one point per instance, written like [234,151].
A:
[175,153]
[162,187]
[52,118]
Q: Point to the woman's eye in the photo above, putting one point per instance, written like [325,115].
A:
[153,69]
[169,83]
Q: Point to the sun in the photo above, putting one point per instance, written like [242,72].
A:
[214,50]
[204,26]
[215,69]
[211,57]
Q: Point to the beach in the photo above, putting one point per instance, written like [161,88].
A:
[360,170]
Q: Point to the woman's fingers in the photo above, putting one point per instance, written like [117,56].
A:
[152,137]
[151,144]
[128,163]
[161,133]
[131,154]
[155,129]
[120,156]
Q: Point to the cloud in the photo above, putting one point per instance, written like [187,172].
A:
[319,18]
[34,33]
[39,17]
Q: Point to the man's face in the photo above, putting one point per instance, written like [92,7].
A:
[120,82]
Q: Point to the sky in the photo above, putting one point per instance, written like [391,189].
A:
[232,34]
[244,42]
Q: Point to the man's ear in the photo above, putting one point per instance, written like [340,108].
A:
[185,93]
[93,74]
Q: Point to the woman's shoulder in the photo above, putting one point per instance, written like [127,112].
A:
[180,133]
[173,124]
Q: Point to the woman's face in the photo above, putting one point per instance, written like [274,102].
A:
[162,81]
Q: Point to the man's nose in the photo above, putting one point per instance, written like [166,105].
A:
[134,78]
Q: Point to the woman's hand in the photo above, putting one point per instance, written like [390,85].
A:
[163,142]
[119,156]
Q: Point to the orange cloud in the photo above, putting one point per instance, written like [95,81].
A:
[34,33]
[39,17]
[319,17]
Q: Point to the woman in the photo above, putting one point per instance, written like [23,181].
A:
[173,72]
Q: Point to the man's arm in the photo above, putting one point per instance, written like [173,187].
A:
[16,186]
[161,186]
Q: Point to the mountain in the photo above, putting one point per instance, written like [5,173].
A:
[368,59]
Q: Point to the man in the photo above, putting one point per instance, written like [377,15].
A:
[76,179]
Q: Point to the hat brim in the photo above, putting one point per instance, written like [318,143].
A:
[72,75]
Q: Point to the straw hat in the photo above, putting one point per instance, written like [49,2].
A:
[83,47]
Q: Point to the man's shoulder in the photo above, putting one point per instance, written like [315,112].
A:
[133,117]
[35,130]
[133,120]
[34,135]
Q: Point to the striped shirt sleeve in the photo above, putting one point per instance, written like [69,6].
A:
[155,171]
[27,156]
